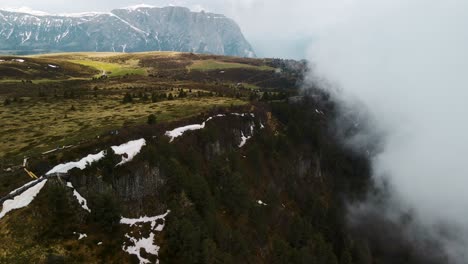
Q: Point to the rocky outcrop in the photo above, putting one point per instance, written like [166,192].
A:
[123,30]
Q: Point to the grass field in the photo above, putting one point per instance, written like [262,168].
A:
[111,69]
[34,127]
[37,97]
[209,65]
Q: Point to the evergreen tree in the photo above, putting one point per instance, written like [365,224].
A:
[106,212]
[151,119]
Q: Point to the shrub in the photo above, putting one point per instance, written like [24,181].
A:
[127,98]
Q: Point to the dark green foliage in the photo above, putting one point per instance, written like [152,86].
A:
[303,221]
[184,242]
[151,119]
[346,257]
[107,165]
[62,214]
[233,193]
[209,251]
[170,97]
[106,212]
[7,102]
[182,94]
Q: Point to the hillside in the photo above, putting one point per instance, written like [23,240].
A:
[135,29]
[177,158]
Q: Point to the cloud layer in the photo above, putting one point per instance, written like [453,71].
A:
[407,61]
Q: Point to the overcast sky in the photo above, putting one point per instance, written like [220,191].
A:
[275,28]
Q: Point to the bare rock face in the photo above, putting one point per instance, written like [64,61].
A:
[123,30]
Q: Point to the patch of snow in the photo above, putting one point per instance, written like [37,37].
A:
[80,236]
[262,126]
[22,200]
[135,7]
[81,200]
[130,149]
[2,60]
[260,202]
[99,243]
[145,219]
[18,60]
[26,36]
[139,244]
[243,140]
[243,114]
[177,132]
[130,25]
[81,164]
[84,14]
[210,118]
[181,130]
[143,243]
[53,66]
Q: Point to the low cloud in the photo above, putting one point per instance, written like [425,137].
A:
[407,62]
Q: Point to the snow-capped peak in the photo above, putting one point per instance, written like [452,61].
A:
[135,7]
[30,11]
[25,10]
[84,14]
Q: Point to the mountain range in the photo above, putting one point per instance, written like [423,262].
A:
[133,29]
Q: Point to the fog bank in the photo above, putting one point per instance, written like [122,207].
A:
[407,62]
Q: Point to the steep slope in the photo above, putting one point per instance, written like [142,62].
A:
[203,159]
[135,29]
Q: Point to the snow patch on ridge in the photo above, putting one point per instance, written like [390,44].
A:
[22,200]
[144,219]
[81,164]
[177,132]
[135,7]
[81,200]
[129,150]
[181,130]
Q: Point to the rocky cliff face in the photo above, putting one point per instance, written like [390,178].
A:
[123,30]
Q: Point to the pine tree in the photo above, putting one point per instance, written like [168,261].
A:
[151,119]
